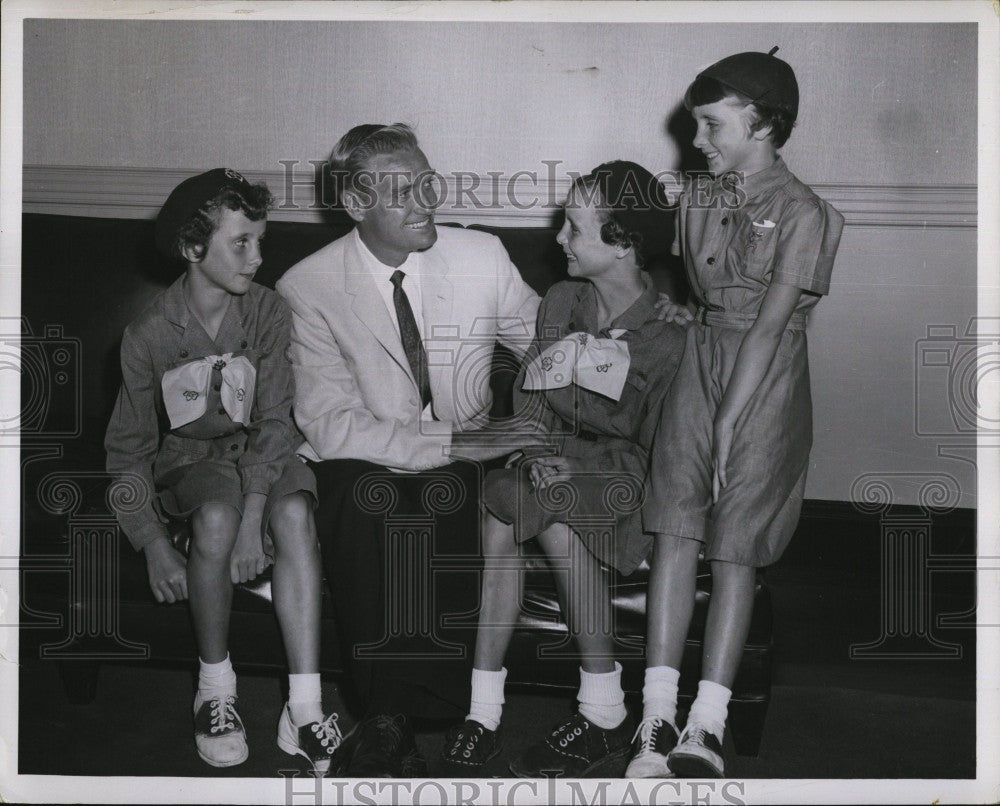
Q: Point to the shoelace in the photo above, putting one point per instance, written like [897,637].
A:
[695,733]
[223,713]
[390,733]
[328,732]
[471,740]
[570,731]
[647,733]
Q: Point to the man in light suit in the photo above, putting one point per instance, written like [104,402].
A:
[393,329]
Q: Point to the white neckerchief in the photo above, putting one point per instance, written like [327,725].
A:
[185,388]
[598,364]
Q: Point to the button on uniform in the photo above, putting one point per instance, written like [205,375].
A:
[711,261]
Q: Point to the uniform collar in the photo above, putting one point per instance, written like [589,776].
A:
[774,175]
[634,317]
[175,310]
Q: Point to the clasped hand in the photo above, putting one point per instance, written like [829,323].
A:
[248,558]
[547,470]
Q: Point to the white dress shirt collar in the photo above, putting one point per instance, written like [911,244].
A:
[382,275]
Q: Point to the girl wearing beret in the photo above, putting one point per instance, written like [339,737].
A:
[594,380]
[729,465]
[203,427]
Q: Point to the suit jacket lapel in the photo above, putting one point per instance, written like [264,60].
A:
[439,322]
[369,307]
[438,294]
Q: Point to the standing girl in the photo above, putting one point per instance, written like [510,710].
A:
[203,423]
[729,464]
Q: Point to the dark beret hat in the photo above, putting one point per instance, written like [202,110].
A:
[188,197]
[759,76]
[637,200]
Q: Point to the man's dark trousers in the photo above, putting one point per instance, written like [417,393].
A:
[402,555]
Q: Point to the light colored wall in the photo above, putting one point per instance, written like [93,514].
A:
[881,105]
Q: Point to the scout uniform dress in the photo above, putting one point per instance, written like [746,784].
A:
[737,239]
[201,420]
[613,438]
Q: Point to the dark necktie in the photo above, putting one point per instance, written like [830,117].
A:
[410,336]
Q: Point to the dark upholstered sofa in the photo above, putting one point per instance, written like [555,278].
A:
[85,598]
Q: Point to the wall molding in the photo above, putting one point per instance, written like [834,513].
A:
[520,200]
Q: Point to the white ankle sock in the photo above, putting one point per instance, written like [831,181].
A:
[214,680]
[659,694]
[487,697]
[601,698]
[305,699]
[710,707]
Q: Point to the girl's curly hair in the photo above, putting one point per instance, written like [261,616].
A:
[197,231]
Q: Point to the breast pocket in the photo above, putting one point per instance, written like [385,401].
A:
[617,416]
[759,247]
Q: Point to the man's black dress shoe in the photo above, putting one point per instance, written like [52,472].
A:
[381,746]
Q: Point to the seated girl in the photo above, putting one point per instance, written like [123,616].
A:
[203,426]
[594,379]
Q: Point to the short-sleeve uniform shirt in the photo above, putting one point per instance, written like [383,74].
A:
[737,237]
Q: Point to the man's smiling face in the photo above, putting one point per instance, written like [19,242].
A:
[395,211]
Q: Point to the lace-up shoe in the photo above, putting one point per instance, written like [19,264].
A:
[219,734]
[652,743]
[577,748]
[317,741]
[469,747]
[698,754]
[382,746]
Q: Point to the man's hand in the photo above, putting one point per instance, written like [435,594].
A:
[248,560]
[490,443]
[671,311]
[167,569]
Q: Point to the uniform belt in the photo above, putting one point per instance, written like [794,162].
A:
[743,321]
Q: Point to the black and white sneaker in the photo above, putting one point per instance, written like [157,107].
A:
[315,742]
[469,747]
[651,745]
[698,754]
[577,748]
[219,734]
